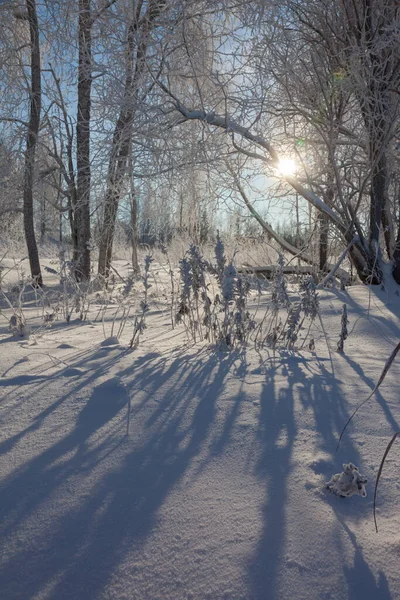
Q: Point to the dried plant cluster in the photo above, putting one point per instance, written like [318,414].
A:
[219,304]
[210,297]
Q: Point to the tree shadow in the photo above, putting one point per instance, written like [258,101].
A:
[357,368]
[361,582]
[98,362]
[81,546]
[387,328]
[30,485]
[277,433]
[74,551]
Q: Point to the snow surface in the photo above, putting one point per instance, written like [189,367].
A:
[217,490]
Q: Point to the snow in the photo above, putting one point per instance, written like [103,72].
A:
[217,491]
[348,483]
[111,341]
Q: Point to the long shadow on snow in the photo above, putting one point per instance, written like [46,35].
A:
[81,548]
[29,486]
[361,583]
[392,304]
[377,396]
[98,362]
[277,431]
[385,327]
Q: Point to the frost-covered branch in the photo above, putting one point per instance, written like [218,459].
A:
[301,253]
[230,125]
[336,266]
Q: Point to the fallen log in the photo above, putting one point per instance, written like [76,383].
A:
[269,271]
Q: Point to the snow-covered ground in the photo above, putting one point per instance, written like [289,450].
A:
[216,489]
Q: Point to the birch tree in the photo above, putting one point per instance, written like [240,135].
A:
[23,40]
[143,19]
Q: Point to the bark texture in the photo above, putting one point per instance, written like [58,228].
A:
[81,229]
[31,143]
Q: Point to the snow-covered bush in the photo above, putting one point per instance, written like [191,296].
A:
[348,483]
[17,325]
[293,324]
[220,304]
[279,295]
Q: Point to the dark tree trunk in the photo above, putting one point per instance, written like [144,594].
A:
[108,229]
[367,270]
[378,198]
[378,71]
[42,219]
[323,241]
[396,256]
[396,261]
[387,221]
[376,206]
[81,228]
[31,141]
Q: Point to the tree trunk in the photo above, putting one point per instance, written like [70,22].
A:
[396,256]
[323,242]
[123,129]
[42,217]
[117,166]
[31,141]
[388,227]
[374,105]
[108,228]
[135,237]
[377,197]
[81,236]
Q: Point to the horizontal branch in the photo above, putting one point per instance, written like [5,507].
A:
[14,120]
[225,122]
[13,209]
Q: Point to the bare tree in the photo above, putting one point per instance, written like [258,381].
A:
[75,168]
[143,19]
[336,68]
[85,79]
[31,141]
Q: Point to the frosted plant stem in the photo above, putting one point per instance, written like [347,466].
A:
[113,322]
[307,334]
[390,444]
[381,378]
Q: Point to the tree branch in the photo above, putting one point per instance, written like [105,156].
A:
[14,120]
[229,125]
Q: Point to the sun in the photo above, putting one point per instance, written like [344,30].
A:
[286,166]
